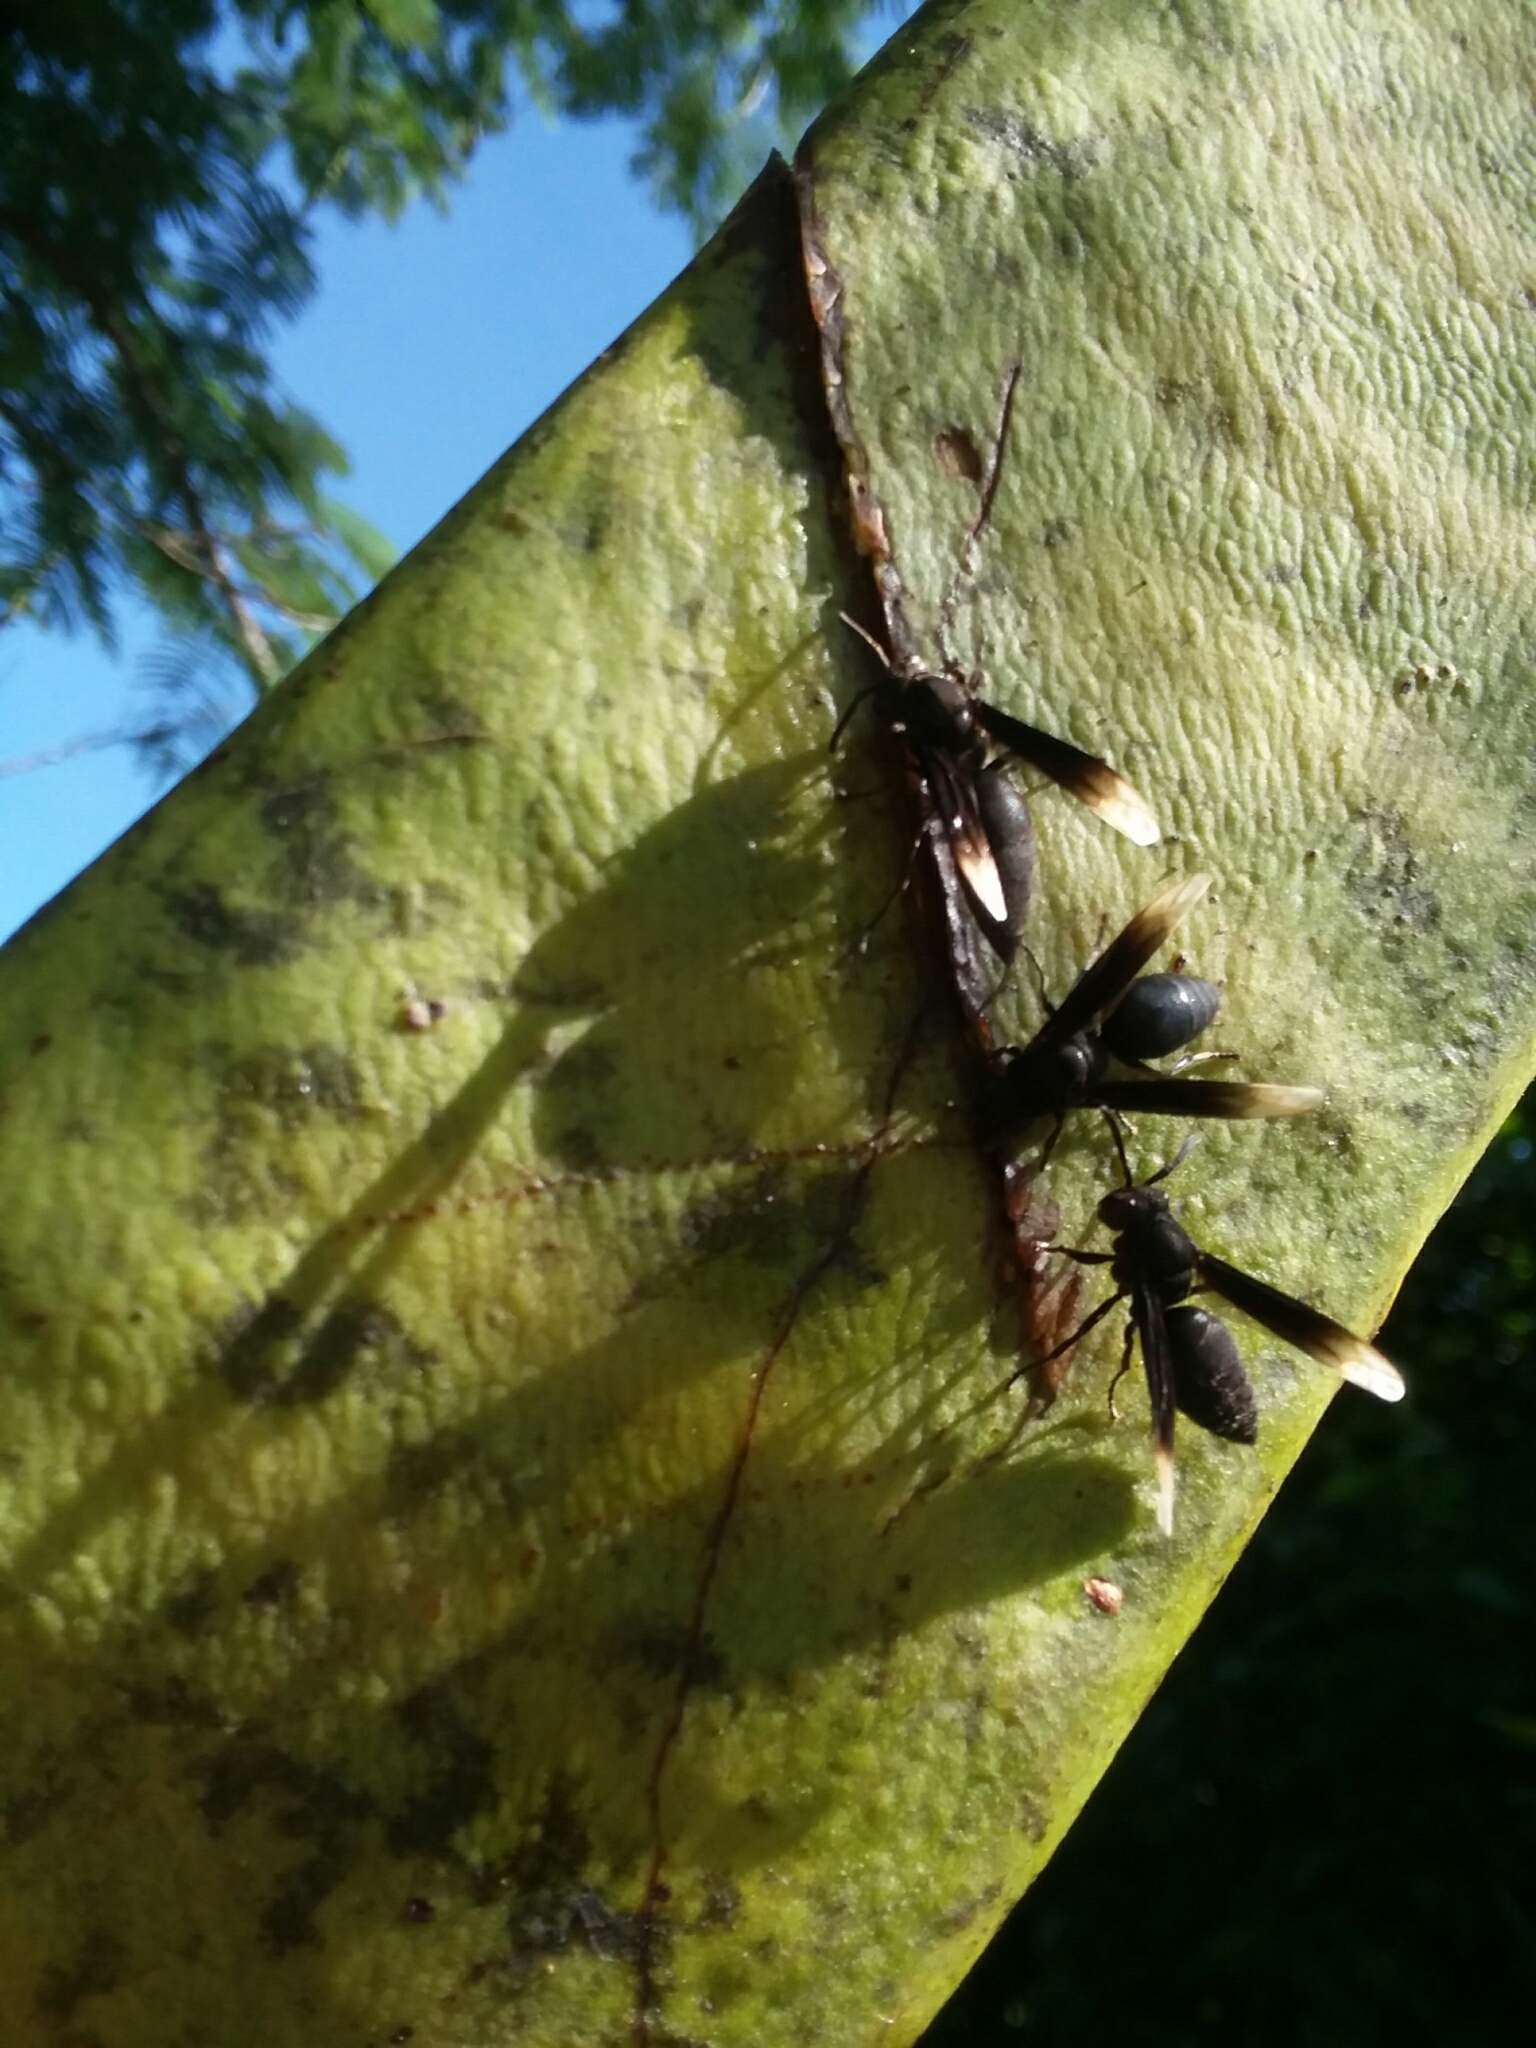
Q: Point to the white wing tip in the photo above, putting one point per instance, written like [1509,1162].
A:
[1377,1375]
[1279,1098]
[1165,1489]
[1129,816]
[1182,896]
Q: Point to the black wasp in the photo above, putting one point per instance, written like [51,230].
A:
[1109,1011]
[1188,1355]
[967,801]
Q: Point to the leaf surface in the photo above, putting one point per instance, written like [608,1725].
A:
[500,1542]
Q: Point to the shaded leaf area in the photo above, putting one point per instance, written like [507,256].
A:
[1323,1826]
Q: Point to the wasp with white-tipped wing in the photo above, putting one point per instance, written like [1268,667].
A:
[956,743]
[1067,1065]
[1189,1357]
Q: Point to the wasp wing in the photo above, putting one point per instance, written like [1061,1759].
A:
[1171,1095]
[954,803]
[1307,1328]
[1104,981]
[972,966]
[1157,1363]
[1093,782]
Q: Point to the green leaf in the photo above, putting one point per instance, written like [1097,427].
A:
[413,23]
[502,1302]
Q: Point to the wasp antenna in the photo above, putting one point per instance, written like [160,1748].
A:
[1175,1162]
[868,639]
[1125,1164]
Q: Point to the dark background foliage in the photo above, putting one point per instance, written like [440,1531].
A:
[1322,1828]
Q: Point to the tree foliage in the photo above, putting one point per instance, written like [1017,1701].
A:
[164,162]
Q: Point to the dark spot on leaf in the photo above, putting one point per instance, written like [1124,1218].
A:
[418,1912]
[540,1878]
[615,1936]
[722,1902]
[458,1768]
[302,1804]
[449,718]
[1069,160]
[1386,878]
[248,1338]
[189,1610]
[416,1472]
[964,1911]
[1056,532]
[308,1804]
[315,860]
[273,1587]
[270,1355]
[172,1704]
[255,938]
[769,1220]
[666,1650]
[578,1149]
[294,1082]
[27,1811]
[95,1969]
[288,1918]
[586,1066]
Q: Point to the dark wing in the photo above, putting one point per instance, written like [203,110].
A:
[1157,1364]
[1171,1095]
[1105,980]
[1093,782]
[1307,1328]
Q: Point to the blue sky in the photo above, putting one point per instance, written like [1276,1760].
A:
[428,348]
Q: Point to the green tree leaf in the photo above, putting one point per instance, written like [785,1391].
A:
[151,234]
[502,1541]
